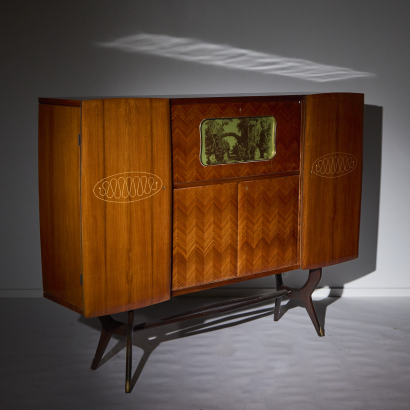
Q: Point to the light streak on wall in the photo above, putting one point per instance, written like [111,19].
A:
[191,50]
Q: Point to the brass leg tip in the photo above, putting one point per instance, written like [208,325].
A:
[127,387]
[322,331]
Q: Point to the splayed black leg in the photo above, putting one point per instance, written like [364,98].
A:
[128,368]
[304,294]
[110,327]
[278,301]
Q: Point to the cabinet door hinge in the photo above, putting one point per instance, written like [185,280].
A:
[79,139]
[81,278]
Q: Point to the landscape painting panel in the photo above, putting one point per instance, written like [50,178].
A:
[232,140]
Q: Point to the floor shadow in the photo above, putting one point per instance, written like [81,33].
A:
[149,339]
[320,307]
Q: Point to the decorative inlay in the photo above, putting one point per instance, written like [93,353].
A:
[334,165]
[127,187]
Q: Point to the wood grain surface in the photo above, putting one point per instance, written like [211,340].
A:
[231,281]
[331,179]
[186,119]
[205,235]
[225,223]
[59,196]
[126,246]
[268,215]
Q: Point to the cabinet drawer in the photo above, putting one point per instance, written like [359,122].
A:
[268,214]
[186,141]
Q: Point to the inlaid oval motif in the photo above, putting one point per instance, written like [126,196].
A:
[334,165]
[127,187]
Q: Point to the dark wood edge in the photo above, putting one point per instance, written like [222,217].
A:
[330,263]
[361,176]
[180,185]
[246,99]
[301,165]
[242,99]
[230,281]
[321,95]
[191,100]
[56,101]
[63,303]
[119,309]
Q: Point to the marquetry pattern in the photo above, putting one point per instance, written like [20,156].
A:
[204,235]
[334,165]
[268,224]
[186,119]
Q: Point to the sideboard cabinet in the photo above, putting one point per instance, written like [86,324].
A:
[142,199]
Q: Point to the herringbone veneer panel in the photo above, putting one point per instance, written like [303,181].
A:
[268,224]
[186,119]
[205,235]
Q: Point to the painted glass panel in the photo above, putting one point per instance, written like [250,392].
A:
[233,140]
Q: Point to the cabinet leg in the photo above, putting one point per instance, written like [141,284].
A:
[304,294]
[278,301]
[128,368]
[109,327]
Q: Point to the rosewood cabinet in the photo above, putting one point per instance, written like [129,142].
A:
[130,215]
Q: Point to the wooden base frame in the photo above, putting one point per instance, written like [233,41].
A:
[304,294]
[112,327]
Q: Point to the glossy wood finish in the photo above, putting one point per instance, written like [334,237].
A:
[186,119]
[268,215]
[331,196]
[231,281]
[222,232]
[205,235]
[235,179]
[59,195]
[126,246]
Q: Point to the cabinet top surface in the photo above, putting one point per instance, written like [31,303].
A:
[191,99]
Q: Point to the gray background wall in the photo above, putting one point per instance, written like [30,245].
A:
[51,49]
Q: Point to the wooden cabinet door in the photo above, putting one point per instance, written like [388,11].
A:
[267,224]
[59,194]
[205,235]
[126,204]
[332,179]
[187,115]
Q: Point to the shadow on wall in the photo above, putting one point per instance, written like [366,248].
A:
[338,275]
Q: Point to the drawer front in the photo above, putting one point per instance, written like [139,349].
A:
[268,214]
[186,141]
[205,240]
